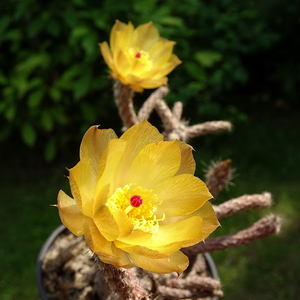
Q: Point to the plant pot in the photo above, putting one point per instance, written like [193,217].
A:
[60,233]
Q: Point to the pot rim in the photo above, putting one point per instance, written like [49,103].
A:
[41,255]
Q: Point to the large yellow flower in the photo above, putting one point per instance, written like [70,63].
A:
[136,200]
[139,57]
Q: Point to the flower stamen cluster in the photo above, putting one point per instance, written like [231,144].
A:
[138,56]
[139,204]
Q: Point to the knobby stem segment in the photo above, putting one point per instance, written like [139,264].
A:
[123,96]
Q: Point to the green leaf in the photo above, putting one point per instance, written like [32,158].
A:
[46,120]
[79,32]
[100,23]
[89,43]
[28,134]
[195,71]
[55,93]
[72,72]
[139,6]
[60,117]
[34,61]
[197,86]
[3,79]
[208,58]
[4,23]
[2,106]
[172,21]
[35,98]
[22,85]
[88,112]
[10,113]
[35,27]
[82,85]
[53,27]
[50,150]
[13,35]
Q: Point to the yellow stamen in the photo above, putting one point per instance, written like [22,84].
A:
[142,217]
[140,55]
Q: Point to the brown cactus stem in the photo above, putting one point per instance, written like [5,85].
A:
[207,128]
[149,104]
[177,110]
[218,175]
[246,202]
[124,283]
[196,282]
[267,225]
[123,96]
[166,115]
[175,293]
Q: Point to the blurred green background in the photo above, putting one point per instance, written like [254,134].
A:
[240,63]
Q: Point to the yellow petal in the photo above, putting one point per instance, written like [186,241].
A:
[161,52]
[70,214]
[139,250]
[167,67]
[75,192]
[122,65]
[181,195]
[96,241]
[135,85]
[113,154]
[204,224]
[187,164]
[177,262]
[93,144]
[106,250]
[100,197]
[106,224]
[137,137]
[137,69]
[123,36]
[162,159]
[145,36]
[156,73]
[107,55]
[134,82]
[124,224]
[122,259]
[116,29]
[151,83]
[169,237]
[208,225]
[210,221]
[82,182]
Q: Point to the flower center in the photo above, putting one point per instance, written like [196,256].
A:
[140,56]
[139,204]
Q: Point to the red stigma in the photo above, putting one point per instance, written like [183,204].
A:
[138,55]
[136,201]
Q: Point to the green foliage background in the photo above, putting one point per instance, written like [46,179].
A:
[54,83]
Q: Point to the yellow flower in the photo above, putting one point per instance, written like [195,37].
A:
[139,57]
[136,200]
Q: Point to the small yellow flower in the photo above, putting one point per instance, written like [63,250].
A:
[139,57]
[136,200]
